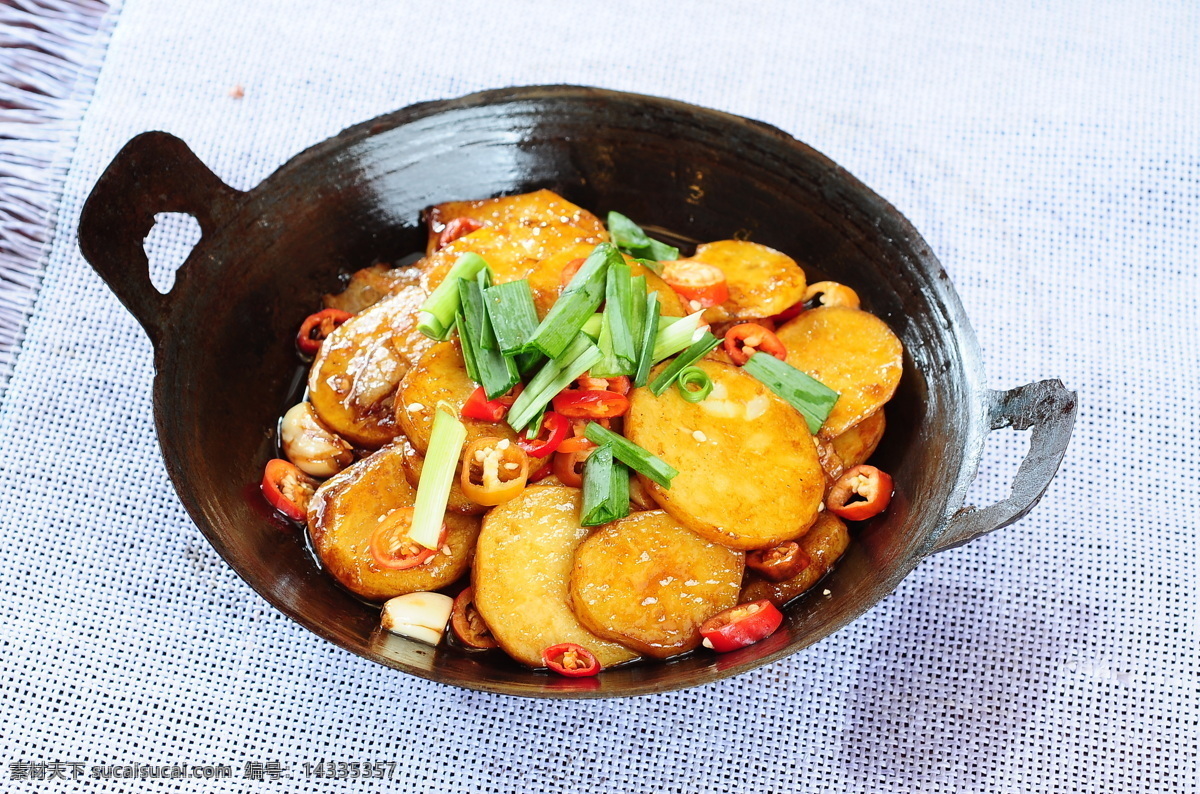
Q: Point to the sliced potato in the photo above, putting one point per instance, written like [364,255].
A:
[346,510]
[749,476]
[825,544]
[859,442]
[352,383]
[440,376]
[540,208]
[850,351]
[648,582]
[522,576]
[371,285]
[546,281]
[762,281]
[520,232]
[414,463]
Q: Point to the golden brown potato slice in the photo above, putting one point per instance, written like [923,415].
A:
[748,470]
[850,351]
[539,209]
[522,231]
[371,285]
[762,281]
[825,543]
[440,376]
[648,582]
[522,576]
[352,383]
[546,281]
[414,463]
[347,509]
[859,442]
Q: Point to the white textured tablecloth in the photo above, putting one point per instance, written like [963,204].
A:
[1050,154]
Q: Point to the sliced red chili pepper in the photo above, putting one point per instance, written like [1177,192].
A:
[790,312]
[478,406]
[590,404]
[554,431]
[696,281]
[569,270]
[619,385]
[467,623]
[545,471]
[489,486]
[568,467]
[862,492]
[575,444]
[316,327]
[744,340]
[740,626]
[569,659]
[392,548]
[459,227]
[287,488]
[507,400]
[780,562]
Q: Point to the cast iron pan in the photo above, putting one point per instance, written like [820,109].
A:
[226,363]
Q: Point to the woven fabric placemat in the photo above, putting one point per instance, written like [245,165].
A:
[1049,156]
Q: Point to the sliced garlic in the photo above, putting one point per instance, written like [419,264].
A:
[421,616]
[308,444]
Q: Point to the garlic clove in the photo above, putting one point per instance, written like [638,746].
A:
[310,445]
[420,616]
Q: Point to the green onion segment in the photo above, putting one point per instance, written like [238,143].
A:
[687,358]
[578,301]
[497,372]
[436,317]
[617,345]
[813,399]
[632,455]
[433,489]
[514,318]
[694,384]
[605,489]
[554,376]
[632,239]
[676,335]
[646,343]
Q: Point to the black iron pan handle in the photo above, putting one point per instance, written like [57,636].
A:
[1049,409]
[155,172]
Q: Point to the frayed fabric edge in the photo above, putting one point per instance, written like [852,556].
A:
[51,52]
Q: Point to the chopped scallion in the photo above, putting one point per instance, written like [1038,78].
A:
[632,239]
[632,455]
[813,399]
[468,349]
[649,334]
[433,489]
[529,362]
[687,358]
[514,318]
[554,376]
[676,335]
[497,373]
[535,427]
[618,352]
[592,326]
[578,301]
[605,489]
[694,384]
[436,317]
[487,336]
[637,316]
